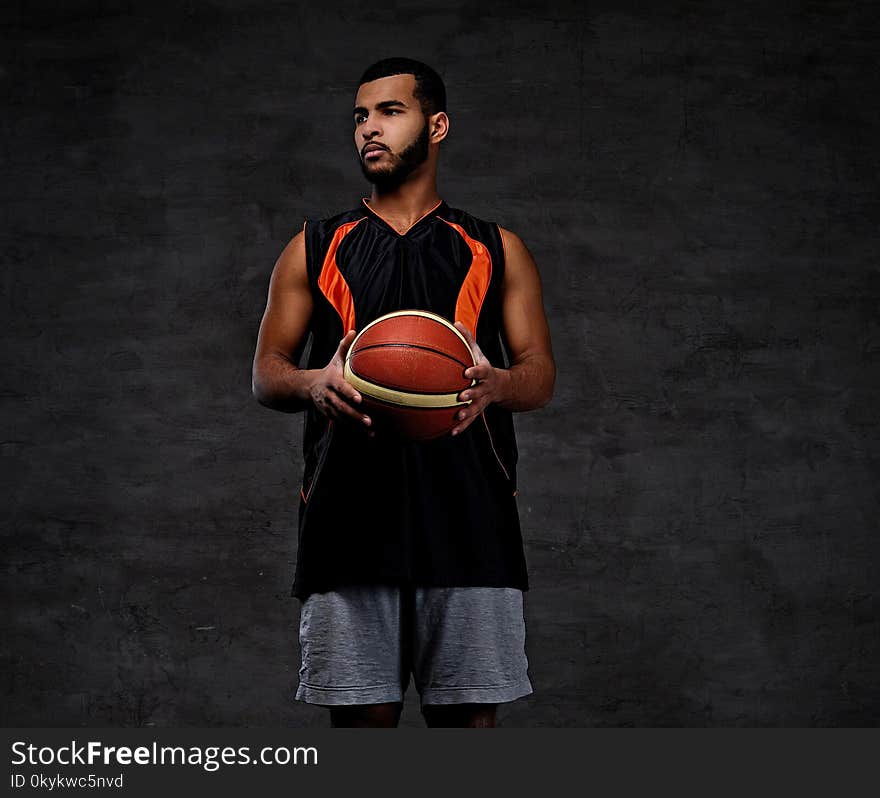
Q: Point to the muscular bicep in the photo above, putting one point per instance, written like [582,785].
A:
[525,322]
[288,311]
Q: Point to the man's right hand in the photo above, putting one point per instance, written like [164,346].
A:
[333,396]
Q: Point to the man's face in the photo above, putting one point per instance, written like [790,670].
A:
[386,114]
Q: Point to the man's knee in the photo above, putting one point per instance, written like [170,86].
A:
[460,715]
[366,715]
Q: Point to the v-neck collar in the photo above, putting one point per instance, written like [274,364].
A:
[440,207]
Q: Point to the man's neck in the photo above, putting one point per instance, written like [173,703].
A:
[402,208]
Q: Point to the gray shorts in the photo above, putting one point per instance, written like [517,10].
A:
[360,643]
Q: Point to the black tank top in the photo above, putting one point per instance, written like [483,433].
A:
[388,510]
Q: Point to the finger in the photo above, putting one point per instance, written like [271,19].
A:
[479,357]
[475,347]
[471,395]
[345,410]
[347,390]
[459,428]
[468,337]
[462,328]
[478,372]
[344,343]
[471,411]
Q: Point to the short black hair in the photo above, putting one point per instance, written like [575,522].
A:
[429,89]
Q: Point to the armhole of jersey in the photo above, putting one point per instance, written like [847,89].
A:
[505,352]
[307,231]
[308,343]
[503,249]
[307,248]
[305,236]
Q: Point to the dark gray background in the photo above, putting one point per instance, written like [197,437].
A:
[698,184]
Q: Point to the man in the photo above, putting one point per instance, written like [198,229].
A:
[410,556]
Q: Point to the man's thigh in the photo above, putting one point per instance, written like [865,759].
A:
[350,646]
[469,647]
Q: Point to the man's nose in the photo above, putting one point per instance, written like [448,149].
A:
[370,129]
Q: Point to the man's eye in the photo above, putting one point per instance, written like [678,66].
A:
[360,117]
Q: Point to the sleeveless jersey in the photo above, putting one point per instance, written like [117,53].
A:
[388,510]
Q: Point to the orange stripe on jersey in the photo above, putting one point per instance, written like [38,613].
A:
[333,284]
[476,283]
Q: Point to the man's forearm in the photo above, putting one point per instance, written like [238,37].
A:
[279,384]
[527,385]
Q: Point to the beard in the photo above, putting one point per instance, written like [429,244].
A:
[390,177]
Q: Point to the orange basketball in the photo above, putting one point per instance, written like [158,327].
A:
[409,368]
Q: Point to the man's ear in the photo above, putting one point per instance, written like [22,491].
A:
[438,126]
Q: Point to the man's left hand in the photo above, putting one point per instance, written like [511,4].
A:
[489,388]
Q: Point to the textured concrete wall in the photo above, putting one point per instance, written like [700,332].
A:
[699,188]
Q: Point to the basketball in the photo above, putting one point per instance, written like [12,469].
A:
[409,368]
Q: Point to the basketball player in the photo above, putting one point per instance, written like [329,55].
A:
[410,556]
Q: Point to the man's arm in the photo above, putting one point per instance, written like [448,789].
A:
[276,380]
[528,383]
[532,374]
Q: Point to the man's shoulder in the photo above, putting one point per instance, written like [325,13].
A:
[508,237]
[459,214]
[454,214]
[332,221]
[511,244]
[476,225]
